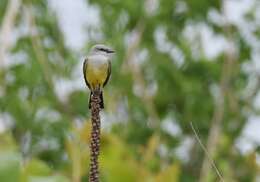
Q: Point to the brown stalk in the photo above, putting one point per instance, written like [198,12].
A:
[95,136]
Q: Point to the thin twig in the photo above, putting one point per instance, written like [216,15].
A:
[37,47]
[206,152]
[6,30]
[7,26]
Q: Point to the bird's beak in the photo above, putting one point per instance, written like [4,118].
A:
[111,51]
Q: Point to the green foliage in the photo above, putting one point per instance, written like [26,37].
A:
[47,135]
[10,166]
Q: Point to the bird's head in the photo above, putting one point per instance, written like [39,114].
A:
[102,49]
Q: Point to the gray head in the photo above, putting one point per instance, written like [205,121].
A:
[101,49]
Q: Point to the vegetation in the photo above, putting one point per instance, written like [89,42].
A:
[177,62]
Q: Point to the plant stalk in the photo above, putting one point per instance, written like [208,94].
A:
[95,136]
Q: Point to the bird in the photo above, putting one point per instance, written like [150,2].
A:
[97,69]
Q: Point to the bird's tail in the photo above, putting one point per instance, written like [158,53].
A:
[101,100]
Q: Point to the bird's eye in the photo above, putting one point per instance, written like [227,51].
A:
[102,49]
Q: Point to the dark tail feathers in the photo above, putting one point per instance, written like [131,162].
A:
[101,100]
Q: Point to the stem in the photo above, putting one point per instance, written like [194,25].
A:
[6,31]
[206,152]
[138,76]
[219,112]
[95,136]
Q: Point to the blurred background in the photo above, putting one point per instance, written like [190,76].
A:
[177,62]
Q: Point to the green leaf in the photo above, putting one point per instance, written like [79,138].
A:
[10,163]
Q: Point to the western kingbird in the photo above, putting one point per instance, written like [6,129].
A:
[97,69]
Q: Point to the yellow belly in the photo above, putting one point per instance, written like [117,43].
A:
[96,76]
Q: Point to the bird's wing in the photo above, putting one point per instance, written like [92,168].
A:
[84,72]
[108,73]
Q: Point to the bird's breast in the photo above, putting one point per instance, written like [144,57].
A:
[97,70]
[97,61]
